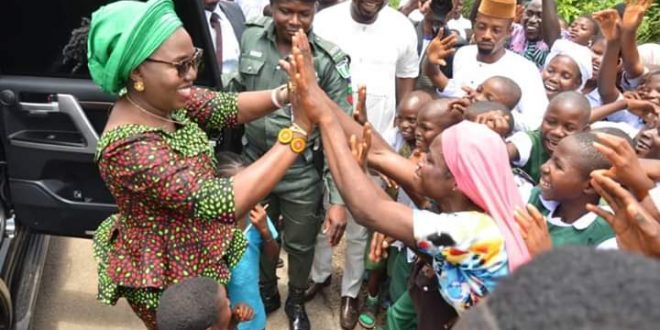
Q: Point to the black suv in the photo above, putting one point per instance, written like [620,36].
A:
[49,126]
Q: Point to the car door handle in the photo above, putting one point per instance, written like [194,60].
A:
[66,104]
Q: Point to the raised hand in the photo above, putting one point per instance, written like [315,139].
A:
[634,13]
[533,229]
[626,167]
[439,49]
[495,120]
[258,218]
[360,113]
[305,95]
[609,22]
[461,105]
[636,230]
[379,246]
[242,313]
[646,110]
[360,149]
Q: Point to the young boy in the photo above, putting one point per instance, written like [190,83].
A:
[565,189]
[402,137]
[261,236]
[568,113]
[199,303]
[433,118]
[497,89]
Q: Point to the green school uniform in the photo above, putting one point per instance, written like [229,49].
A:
[588,230]
[537,157]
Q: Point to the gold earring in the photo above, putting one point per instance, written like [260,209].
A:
[139,86]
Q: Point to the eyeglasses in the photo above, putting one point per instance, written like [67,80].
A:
[182,67]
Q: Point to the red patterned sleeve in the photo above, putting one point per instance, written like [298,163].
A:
[212,110]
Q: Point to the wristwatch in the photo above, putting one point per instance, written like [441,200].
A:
[285,136]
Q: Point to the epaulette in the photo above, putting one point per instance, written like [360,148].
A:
[340,59]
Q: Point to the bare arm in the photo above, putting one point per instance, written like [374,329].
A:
[632,18]
[550,21]
[609,24]
[253,105]
[381,156]
[603,111]
[370,208]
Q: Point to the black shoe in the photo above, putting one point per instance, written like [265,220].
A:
[348,313]
[295,310]
[272,303]
[315,288]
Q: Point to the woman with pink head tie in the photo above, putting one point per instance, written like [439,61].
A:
[475,241]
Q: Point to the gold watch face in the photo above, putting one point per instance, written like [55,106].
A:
[298,145]
[285,136]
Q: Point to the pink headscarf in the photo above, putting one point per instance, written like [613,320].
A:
[478,159]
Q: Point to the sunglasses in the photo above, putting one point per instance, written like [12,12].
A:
[182,67]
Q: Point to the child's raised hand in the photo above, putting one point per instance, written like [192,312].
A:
[608,20]
[634,14]
[439,49]
[360,113]
[460,105]
[495,120]
[378,248]
[242,313]
[533,229]
[360,149]
[258,218]
[646,110]
[626,167]
[635,229]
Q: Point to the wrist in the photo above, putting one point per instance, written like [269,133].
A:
[642,191]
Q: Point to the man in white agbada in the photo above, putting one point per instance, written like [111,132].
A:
[475,63]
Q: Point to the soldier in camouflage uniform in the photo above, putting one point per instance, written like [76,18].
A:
[298,197]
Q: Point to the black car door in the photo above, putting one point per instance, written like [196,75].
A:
[52,114]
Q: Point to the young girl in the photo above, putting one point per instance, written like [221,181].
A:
[261,234]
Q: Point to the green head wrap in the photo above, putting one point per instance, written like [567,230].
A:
[122,35]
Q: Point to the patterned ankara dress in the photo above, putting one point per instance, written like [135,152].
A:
[176,218]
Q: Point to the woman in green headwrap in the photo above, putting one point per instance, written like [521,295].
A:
[176,217]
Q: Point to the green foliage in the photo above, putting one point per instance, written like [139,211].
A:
[649,31]
[395,3]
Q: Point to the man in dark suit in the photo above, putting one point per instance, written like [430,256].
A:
[226,24]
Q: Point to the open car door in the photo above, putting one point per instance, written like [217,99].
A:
[52,115]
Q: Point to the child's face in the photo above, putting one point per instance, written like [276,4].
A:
[581,31]
[597,51]
[650,89]
[406,121]
[647,143]
[561,178]
[429,125]
[493,90]
[560,75]
[559,123]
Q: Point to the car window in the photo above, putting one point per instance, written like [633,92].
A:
[38,37]
[35,34]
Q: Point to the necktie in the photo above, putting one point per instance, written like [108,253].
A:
[215,24]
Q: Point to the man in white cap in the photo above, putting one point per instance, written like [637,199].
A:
[488,57]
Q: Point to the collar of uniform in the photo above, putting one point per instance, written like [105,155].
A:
[580,224]
[269,32]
